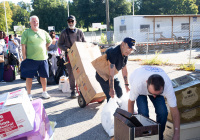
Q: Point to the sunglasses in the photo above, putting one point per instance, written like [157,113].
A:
[70,21]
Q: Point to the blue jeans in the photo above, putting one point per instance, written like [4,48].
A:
[1,71]
[160,109]
[105,86]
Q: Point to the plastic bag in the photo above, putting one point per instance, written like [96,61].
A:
[107,118]
[124,101]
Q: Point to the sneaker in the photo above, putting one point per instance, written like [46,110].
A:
[30,97]
[45,95]
[73,95]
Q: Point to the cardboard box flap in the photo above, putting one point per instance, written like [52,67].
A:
[129,116]
[15,97]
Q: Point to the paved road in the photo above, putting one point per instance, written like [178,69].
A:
[73,122]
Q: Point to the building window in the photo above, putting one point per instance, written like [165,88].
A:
[158,25]
[184,26]
[122,28]
[144,28]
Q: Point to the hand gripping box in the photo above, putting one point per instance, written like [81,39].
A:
[188,131]
[134,127]
[16,114]
[187,91]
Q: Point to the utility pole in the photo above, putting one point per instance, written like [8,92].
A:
[133,7]
[107,15]
[68,7]
[5,17]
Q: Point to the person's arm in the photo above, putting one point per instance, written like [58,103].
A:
[15,43]
[82,37]
[24,51]
[61,42]
[131,106]
[125,76]
[47,46]
[111,79]
[176,122]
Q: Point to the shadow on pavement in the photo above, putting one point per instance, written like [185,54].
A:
[95,133]
[74,115]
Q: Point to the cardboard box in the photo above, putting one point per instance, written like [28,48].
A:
[124,129]
[16,114]
[81,55]
[187,90]
[191,115]
[189,131]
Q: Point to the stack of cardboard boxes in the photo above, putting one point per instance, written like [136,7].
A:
[81,55]
[187,90]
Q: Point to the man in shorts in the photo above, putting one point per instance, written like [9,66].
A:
[35,43]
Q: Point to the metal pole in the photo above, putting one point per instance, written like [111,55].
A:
[133,7]
[107,15]
[68,7]
[147,44]
[5,17]
[191,45]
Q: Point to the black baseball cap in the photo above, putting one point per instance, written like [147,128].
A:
[130,41]
[71,17]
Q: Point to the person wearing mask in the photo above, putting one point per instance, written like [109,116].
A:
[35,43]
[53,51]
[2,52]
[66,39]
[153,82]
[20,48]
[117,58]
[13,46]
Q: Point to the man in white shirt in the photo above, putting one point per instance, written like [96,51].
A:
[155,83]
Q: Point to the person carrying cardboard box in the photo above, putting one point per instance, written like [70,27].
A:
[67,37]
[115,60]
[155,83]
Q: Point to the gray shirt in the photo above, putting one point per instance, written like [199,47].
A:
[12,47]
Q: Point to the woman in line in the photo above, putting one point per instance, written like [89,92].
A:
[53,51]
[13,46]
[2,49]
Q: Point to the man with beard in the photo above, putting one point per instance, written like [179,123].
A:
[66,39]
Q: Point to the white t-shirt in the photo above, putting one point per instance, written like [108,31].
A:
[138,81]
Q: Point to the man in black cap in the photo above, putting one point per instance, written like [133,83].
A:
[117,58]
[66,39]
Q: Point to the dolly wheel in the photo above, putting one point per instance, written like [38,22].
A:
[101,101]
[81,101]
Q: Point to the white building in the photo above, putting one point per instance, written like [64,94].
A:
[151,28]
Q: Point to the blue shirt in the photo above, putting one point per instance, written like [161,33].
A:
[114,55]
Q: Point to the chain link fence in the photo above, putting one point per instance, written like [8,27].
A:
[180,46]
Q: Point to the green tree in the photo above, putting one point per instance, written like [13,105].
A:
[8,16]
[161,7]
[91,11]
[20,14]
[51,13]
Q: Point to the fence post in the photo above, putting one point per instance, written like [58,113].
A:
[191,45]
[147,44]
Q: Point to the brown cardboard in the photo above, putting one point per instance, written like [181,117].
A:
[81,55]
[187,91]
[101,65]
[188,98]
[191,115]
[188,131]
